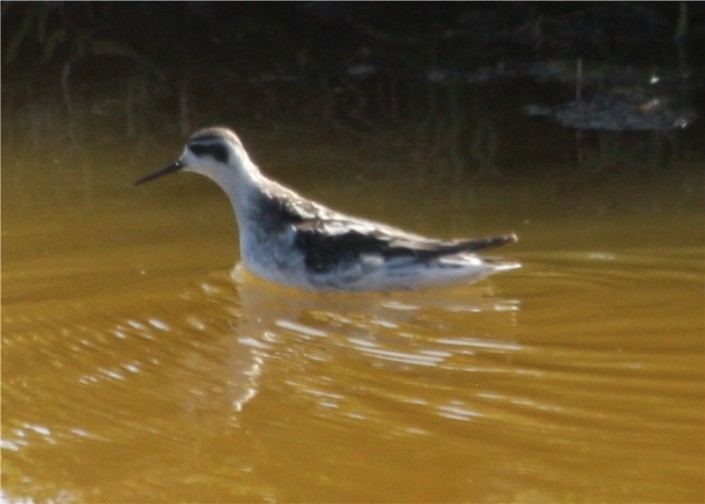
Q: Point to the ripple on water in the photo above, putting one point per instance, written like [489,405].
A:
[550,369]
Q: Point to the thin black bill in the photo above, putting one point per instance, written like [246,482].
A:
[178,165]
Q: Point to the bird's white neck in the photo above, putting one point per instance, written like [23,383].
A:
[242,181]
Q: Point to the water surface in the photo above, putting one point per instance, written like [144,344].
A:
[137,366]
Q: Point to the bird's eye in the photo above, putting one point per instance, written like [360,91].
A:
[216,150]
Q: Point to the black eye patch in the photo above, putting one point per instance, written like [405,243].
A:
[216,150]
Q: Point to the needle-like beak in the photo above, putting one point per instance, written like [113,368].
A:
[178,165]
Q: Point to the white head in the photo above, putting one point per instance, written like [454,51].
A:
[216,153]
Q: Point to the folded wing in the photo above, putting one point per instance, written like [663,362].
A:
[333,243]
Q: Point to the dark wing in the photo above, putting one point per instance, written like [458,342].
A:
[329,239]
[330,243]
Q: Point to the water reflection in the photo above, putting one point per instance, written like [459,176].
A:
[394,331]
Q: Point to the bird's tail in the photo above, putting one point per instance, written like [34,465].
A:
[474,244]
[471,245]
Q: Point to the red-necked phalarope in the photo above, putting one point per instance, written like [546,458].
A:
[288,239]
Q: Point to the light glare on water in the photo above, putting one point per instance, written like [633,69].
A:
[137,368]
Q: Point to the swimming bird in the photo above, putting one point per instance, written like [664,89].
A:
[288,239]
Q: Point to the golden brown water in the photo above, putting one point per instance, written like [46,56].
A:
[135,369]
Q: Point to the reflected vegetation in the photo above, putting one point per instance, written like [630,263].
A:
[438,84]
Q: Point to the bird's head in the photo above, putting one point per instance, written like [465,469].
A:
[212,152]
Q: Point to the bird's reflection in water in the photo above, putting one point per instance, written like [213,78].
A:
[395,331]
